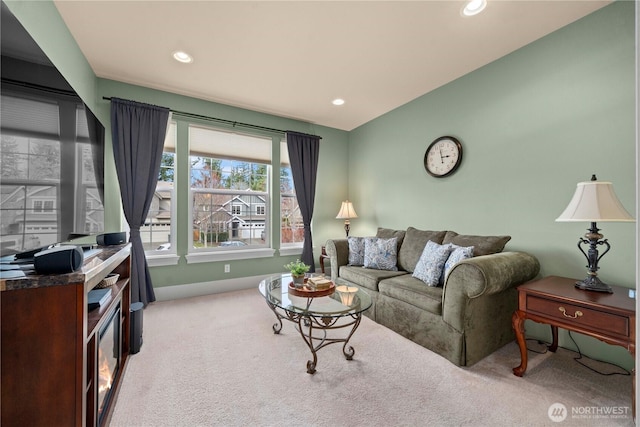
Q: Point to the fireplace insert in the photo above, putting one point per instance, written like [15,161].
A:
[109,355]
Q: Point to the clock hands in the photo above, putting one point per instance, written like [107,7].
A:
[443,157]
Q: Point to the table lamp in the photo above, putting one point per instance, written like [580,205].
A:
[594,201]
[347,212]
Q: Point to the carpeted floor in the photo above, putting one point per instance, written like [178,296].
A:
[215,361]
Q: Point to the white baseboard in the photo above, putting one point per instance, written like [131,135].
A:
[167,293]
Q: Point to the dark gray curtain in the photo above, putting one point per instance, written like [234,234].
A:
[96,138]
[138,133]
[304,151]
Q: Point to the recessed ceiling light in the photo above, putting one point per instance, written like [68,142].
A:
[338,101]
[474,7]
[181,56]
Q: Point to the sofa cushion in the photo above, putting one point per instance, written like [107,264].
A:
[387,233]
[431,263]
[381,253]
[457,254]
[356,250]
[413,291]
[366,277]
[413,244]
[482,245]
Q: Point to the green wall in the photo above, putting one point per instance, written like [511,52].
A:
[532,125]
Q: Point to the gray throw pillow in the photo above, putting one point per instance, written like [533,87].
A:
[381,254]
[356,250]
[431,263]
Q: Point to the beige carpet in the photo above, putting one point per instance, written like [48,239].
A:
[214,361]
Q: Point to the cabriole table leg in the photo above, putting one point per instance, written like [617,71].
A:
[517,321]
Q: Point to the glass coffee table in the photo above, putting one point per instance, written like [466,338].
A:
[320,320]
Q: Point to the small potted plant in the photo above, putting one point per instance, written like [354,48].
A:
[297,269]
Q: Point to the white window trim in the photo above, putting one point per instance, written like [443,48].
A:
[291,249]
[156,260]
[229,255]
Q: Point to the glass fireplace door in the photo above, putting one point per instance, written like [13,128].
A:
[109,353]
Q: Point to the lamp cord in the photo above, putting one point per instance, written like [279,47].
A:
[580,356]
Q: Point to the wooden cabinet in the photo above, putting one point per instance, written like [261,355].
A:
[50,342]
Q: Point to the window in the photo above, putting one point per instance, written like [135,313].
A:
[230,177]
[230,182]
[43,206]
[159,228]
[291,224]
[46,172]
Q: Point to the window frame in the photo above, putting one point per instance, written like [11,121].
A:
[263,249]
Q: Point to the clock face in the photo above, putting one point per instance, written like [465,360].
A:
[443,156]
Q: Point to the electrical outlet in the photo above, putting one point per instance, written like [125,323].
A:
[227,268]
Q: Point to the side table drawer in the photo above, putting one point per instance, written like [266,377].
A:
[580,316]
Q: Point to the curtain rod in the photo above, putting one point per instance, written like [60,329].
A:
[41,88]
[229,122]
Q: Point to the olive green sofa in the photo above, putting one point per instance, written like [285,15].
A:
[465,319]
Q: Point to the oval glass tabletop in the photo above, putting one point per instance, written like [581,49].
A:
[345,301]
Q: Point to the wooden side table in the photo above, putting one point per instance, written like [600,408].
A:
[557,302]
[323,256]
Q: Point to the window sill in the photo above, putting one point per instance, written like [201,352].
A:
[161,260]
[291,250]
[213,256]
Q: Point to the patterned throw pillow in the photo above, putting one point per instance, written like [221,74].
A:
[356,250]
[458,254]
[431,263]
[381,254]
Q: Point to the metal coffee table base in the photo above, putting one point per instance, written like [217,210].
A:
[308,323]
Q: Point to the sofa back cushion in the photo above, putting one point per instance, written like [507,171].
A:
[482,245]
[413,244]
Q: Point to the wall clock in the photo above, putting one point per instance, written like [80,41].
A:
[443,156]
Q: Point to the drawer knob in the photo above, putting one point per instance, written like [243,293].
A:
[564,313]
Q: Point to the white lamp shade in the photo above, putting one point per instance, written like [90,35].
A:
[595,201]
[347,211]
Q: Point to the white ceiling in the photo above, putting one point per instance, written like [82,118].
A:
[292,58]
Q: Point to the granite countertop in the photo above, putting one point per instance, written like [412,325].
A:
[96,265]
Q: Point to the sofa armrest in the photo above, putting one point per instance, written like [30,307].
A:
[484,275]
[338,252]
